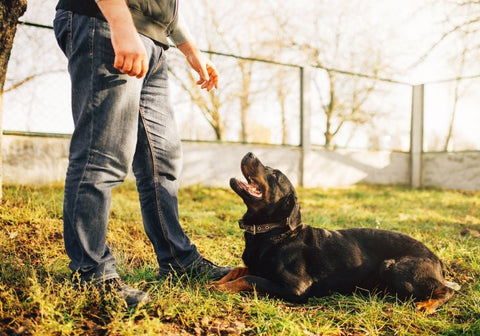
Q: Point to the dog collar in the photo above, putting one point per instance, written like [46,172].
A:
[260,228]
[263,228]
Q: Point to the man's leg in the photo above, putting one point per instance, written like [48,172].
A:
[105,112]
[157,165]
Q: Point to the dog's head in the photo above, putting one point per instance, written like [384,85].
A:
[268,194]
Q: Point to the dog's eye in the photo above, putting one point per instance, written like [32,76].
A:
[272,177]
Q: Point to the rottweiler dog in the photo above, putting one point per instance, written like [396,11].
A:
[287,259]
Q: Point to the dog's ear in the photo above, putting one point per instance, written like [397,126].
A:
[294,215]
[289,202]
[283,208]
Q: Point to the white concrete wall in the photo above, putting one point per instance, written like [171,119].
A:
[459,170]
[40,160]
[34,160]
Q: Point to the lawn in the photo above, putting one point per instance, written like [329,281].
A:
[37,298]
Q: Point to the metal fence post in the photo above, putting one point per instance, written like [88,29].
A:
[416,136]
[305,112]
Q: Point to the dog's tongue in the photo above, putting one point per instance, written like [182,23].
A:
[251,188]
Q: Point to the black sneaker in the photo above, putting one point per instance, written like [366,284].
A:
[133,297]
[199,268]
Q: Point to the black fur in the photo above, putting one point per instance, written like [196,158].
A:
[296,261]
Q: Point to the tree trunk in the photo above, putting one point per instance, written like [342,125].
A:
[10,11]
[246,69]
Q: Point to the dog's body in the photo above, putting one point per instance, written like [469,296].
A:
[288,259]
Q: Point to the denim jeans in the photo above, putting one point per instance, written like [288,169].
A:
[120,122]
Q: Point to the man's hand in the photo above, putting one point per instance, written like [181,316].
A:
[130,54]
[204,67]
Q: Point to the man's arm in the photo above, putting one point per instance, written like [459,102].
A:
[130,54]
[203,66]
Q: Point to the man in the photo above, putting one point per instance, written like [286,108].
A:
[122,116]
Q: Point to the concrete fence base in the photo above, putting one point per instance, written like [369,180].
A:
[32,160]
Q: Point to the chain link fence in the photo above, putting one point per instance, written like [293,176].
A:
[452,114]
[257,102]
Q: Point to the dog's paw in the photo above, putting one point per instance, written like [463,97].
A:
[234,274]
[426,307]
[234,286]
[222,287]
[212,285]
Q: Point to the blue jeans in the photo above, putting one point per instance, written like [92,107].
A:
[120,121]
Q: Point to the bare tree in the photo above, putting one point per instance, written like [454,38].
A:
[272,47]
[218,31]
[10,11]
[343,95]
[456,98]
[282,92]
[467,33]
[208,103]
[246,43]
[461,18]
[328,36]
[458,43]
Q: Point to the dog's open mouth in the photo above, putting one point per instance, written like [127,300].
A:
[249,187]
[249,190]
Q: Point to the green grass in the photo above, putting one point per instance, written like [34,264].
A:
[36,297]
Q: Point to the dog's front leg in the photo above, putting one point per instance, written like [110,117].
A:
[234,274]
[235,286]
[250,283]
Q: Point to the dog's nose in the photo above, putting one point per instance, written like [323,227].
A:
[249,158]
